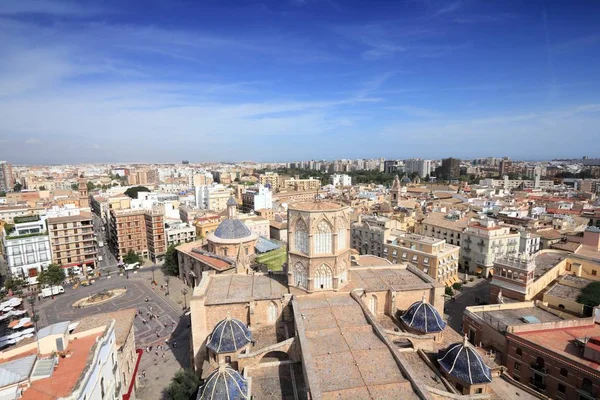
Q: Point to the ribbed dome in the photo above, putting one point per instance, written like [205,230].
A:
[232,229]
[423,317]
[228,336]
[463,362]
[224,383]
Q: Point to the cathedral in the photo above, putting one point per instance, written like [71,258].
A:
[331,325]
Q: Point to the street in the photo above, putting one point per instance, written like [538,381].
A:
[453,309]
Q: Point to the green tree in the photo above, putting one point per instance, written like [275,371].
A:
[133,191]
[75,186]
[53,276]
[42,187]
[449,291]
[457,286]
[2,193]
[18,187]
[14,284]
[590,295]
[183,386]
[132,257]
[172,261]
[90,186]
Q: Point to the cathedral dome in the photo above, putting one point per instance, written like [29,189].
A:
[229,336]
[423,317]
[232,229]
[224,383]
[462,361]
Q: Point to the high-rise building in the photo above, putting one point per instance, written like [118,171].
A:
[257,198]
[139,230]
[6,176]
[421,167]
[505,166]
[450,168]
[72,240]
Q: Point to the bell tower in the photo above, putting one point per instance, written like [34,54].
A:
[395,192]
[84,201]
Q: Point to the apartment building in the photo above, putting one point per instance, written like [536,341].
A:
[529,242]
[97,354]
[212,197]
[155,233]
[302,184]
[484,241]
[142,176]
[447,226]
[450,168]
[258,225]
[340,180]
[6,177]
[72,240]
[510,184]
[269,179]
[434,257]
[9,213]
[179,232]
[257,198]
[26,247]
[369,234]
[421,167]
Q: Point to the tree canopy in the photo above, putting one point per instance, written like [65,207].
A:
[132,257]
[183,386]
[53,276]
[13,284]
[18,187]
[133,191]
[590,295]
[171,261]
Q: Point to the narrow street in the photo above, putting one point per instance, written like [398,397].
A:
[470,296]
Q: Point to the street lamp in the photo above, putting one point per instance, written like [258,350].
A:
[184,291]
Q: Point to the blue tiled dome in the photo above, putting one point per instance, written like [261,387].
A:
[423,317]
[232,229]
[228,336]
[224,383]
[463,362]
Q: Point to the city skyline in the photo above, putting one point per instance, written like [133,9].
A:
[296,80]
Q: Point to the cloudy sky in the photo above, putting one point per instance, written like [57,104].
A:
[208,80]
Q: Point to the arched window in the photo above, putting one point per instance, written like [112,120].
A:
[586,385]
[322,238]
[341,239]
[300,276]
[272,313]
[323,277]
[301,237]
[373,304]
[343,273]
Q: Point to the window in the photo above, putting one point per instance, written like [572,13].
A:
[322,238]
[373,304]
[341,239]
[562,388]
[479,390]
[564,372]
[594,272]
[30,258]
[301,237]
[323,277]
[272,312]
[519,351]
[517,366]
[300,276]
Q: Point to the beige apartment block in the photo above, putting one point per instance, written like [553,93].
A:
[484,241]
[302,184]
[434,257]
[72,240]
[142,176]
[447,226]
[270,178]
[371,233]
[155,233]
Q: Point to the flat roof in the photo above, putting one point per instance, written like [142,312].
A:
[512,317]
[546,261]
[562,341]
[385,278]
[230,288]
[67,372]
[347,357]
[317,206]
[123,323]
[372,261]
[71,218]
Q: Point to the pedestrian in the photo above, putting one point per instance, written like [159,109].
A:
[150,308]
[163,355]
[156,352]
[173,324]
[143,373]
[174,344]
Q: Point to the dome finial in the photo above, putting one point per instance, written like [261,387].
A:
[423,298]
[465,340]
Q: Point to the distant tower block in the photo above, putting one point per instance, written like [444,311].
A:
[318,246]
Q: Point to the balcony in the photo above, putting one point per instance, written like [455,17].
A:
[467,249]
[468,240]
[481,243]
[537,384]
[538,369]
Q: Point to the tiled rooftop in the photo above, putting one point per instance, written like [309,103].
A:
[317,206]
[382,278]
[66,374]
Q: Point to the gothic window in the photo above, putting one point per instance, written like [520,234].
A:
[301,237]
[323,277]
[343,273]
[323,238]
[272,313]
[300,276]
[341,239]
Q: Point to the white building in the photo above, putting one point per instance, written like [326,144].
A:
[483,241]
[529,243]
[509,184]
[212,197]
[421,167]
[340,180]
[179,232]
[27,248]
[257,198]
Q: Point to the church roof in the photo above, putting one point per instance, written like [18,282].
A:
[229,336]
[463,362]
[232,229]
[224,383]
[423,317]
[232,202]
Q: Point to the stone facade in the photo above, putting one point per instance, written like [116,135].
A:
[318,246]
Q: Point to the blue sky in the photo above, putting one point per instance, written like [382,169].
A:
[158,80]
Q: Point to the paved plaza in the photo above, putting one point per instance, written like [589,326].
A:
[169,325]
